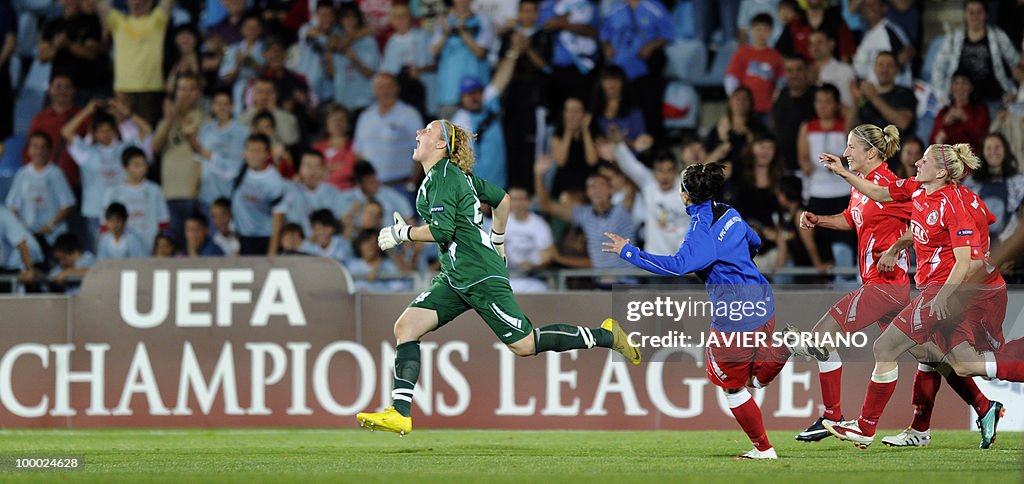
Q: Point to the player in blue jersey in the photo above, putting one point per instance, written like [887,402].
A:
[719,249]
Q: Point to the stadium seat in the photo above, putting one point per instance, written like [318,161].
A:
[681,106]
[686,60]
[10,161]
[715,74]
[929,58]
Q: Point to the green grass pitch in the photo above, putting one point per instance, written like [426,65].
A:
[426,455]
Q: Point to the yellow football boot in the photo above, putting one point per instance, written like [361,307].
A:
[621,341]
[389,420]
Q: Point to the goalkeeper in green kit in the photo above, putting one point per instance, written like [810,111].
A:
[473,272]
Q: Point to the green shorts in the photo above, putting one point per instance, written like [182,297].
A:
[492,299]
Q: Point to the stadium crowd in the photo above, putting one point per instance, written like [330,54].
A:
[198,128]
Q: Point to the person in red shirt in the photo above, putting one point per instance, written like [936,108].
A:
[51,120]
[337,147]
[945,234]
[961,121]
[756,65]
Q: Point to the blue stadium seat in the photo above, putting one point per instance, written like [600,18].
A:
[10,161]
[929,58]
[715,75]
[686,60]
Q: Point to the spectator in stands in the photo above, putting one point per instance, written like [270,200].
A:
[165,246]
[292,88]
[337,147]
[480,112]
[313,46]
[280,157]
[748,9]
[963,120]
[613,105]
[143,199]
[292,239]
[19,251]
[138,41]
[755,194]
[756,66]
[386,132]
[119,242]
[983,52]
[72,45]
[368,215]
[184,58]
[729,138]
[51,120]
[797,247]
[324,239]
[573,25]
[264,98]
[370,263]
[595,218]
[527,89]
[8,46]
[224,137]
[223,233]
[243,60]
[906,14]
[197,238]
[39,195]
[825,192]
[818,16]
[72,264]
[460,44]
[528,242]
[826,69]
[230,29]
[624,192]
[99,160]
[793,106]
[882,36]
[407,55]
[911,150]
[999,183]
[714,14]
[633,35]
[665,219]
[885,102]
[368,187]
[179,173]
[258,203]
[309,193]
[573,148]
[354,60]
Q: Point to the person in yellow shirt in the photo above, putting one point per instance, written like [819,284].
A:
[139,50]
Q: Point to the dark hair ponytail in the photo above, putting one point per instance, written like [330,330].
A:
[703,182]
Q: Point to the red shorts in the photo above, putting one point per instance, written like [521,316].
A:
[730,366]
[916,322]
[985,313]
[869,304]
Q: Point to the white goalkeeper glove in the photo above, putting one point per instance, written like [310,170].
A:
[498,241]
[393,236]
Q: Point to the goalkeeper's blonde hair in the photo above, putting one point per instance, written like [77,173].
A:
[459,143]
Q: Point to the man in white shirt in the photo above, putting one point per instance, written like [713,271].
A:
[527,242]
[828,69]
[881,36]
[665,220]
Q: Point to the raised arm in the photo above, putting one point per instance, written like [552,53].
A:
[71,127]
[869,189]
[544,201]
[636,171]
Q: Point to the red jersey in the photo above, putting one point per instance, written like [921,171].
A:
[940,222]
[759,70]
[983,217]
[879,226]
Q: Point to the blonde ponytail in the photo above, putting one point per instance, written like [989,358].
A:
[886,141]
[890,141]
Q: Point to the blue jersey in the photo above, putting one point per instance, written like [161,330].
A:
[12,234]
[338,249]
[147,208]
[302,202]
[629,29]
[130,246]
[456,60]
[38,196]
[217,176]
[258,197]
[490,143]
[719,248]
[101,170]
[351,88]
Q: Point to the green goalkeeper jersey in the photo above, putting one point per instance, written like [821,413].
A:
[448,200]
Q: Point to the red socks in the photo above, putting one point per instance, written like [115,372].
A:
[748,415]
[880,390]
[969,392]
[926,385]
[830,375]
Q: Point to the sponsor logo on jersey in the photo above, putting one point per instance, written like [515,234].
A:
[858,217]
[964,233]
[436,209]
[933,217]
[900,182]
[920,233]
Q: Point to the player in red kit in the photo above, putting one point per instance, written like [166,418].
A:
[885,292]
[944,234]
